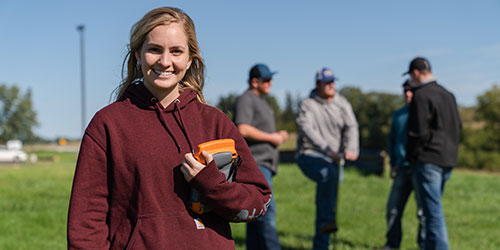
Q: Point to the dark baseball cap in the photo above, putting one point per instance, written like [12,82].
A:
[261,71]
[419,63]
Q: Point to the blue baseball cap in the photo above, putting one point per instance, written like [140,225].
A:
[261,71]
[325,75]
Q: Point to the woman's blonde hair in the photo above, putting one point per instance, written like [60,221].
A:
[194,77]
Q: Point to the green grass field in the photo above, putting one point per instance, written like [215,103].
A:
[34,202]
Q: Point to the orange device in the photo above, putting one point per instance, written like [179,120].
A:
[215,147]
[227,160]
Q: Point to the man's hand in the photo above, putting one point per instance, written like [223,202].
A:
[394,171]
[333,155]
[254,134]
[191,167]
[279,137]
[350,156]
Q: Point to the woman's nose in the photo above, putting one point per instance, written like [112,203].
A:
[165,60]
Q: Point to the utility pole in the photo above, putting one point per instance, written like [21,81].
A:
[81,30]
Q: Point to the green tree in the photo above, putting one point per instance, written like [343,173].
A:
[17,117]
[489,108]
[226,104]
[480,137]
[373,111]
[287,121]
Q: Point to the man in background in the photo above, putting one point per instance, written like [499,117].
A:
[433,135]
[255,121]
[402,175]
[326,125]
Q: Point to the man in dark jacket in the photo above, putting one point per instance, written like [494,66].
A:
[433,135]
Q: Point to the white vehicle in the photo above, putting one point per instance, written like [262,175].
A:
[12,153]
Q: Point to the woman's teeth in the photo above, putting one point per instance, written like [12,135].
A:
[162,73]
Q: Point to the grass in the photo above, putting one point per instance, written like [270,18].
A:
[34,203]
[290,143]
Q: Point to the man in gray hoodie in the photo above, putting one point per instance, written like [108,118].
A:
[326,125]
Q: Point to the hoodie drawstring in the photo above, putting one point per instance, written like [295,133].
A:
[183,128]
[181,121]
[162,120]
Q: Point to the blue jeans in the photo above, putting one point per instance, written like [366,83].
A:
[325,175]
[261,234]
[400,191]
[430,180]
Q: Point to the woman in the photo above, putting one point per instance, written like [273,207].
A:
[135,167]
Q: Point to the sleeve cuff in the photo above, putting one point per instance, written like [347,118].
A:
[207,178]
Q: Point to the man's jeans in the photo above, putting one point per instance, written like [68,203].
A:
[325,175]
[400,191]
[261,234]
[430,180]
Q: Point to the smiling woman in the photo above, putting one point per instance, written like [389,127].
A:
[158,42]
[136,170]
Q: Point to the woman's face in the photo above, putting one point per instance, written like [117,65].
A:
[164,58]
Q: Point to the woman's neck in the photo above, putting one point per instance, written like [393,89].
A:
[165,96]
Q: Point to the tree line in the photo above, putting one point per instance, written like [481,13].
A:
[17,116]
[479,143]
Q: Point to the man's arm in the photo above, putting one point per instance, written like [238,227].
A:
[418,126]
[391,142]
[252,133]
[350,133]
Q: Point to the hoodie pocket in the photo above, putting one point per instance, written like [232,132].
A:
[179,231]
[134,234]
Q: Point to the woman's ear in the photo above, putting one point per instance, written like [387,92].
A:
[189,63]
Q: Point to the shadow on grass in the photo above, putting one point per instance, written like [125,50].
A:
[335,242]
[299,237]
[364,172]
[338,242]
[240,241]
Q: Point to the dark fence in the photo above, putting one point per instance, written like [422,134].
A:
[369,161]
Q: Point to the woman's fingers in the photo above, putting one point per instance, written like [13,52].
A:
[208,157]
[191,167]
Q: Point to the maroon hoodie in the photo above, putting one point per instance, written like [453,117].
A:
[129,193]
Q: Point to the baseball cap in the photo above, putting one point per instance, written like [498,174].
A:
[261,71]
[325,75]
[419,63]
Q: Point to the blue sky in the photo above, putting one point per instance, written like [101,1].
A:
[368,44]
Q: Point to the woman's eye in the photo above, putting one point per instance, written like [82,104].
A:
[154,50]
[177,51]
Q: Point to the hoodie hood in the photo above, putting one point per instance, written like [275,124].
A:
[314,95]
[138,95]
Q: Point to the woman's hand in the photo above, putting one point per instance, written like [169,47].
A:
[191,167]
